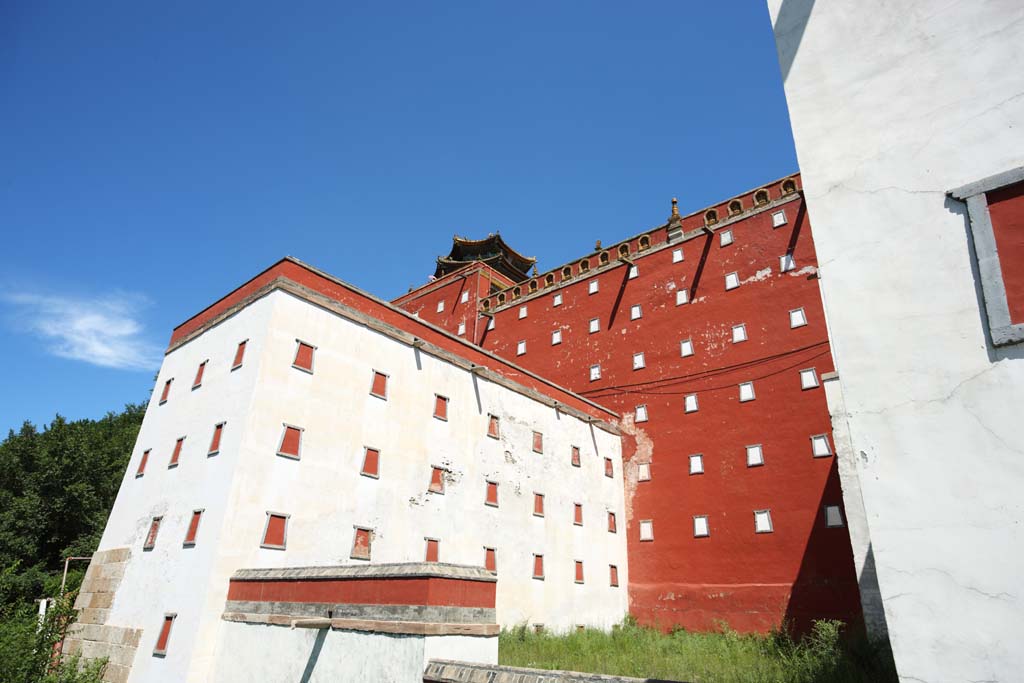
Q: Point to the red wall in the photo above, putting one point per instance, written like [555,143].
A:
[754,582]
[1006,211]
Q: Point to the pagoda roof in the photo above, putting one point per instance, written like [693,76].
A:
[492,250]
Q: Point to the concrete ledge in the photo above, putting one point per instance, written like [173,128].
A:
[395,627]
[447,671]
[439,614]
[405,570]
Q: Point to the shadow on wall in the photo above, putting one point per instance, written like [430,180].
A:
[789,29]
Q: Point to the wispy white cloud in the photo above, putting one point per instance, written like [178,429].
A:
[103,331]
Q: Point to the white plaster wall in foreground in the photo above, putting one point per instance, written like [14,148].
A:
[893,104]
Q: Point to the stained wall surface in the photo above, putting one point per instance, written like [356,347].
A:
[892,106]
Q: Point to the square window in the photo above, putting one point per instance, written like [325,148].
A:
[379,386]
[193,529]
[686,348]
[538,442]
[739,333]
[522,312]
[613,576]
[763,522]
[820,446]
[595,325]
[303,357]
[778,219]
[436,480]
[677,255]
[797,318]
[218,430]
[575,458]
[275,533]
[176,453]
[538,567]
[441,407]
[747,391]
[592,286]
[490,323]
[833,516]
[556,337]
[643,471]
[641,413]
[635,312]
[786,263]
[732,281]
[440,306]
[142,463]
[464,298]
[239,355]
[609,468]
[646,530]
[682,297]
[433,550]
[808,378]
[491,559]
[613,527]
[577,514]
[690,403]
[556,300]
[362,537]
[538,504]
[755,456]
[493,427]
[579,571]
[462,329]
[371,463]
[697,463]
[638,361]
[700,526]
[154,529]
[166,392]
[491,497]
[160,649]
[198,381]
[725,238]
[634,271]
[595,372]
[291,442]
[521,347]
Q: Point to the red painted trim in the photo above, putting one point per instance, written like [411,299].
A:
[369,591]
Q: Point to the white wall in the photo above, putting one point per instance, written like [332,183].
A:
[893,104]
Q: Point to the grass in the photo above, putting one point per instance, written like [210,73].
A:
[822,656]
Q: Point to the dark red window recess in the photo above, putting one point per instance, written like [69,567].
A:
[176,453]
[371,463]
[490,559]
[166,392]
[291,442]
[361,543]
[193,528]
[579,571]
[275,535]
[492,494]
[215,441]
[609,470]
[198,382]
[239,355]
[538,504]
[493,429]
[612,526]
[575,456]
[538,566]
[142,463]
[154,529]
[433,550]
[441,407]
[304,357]
[436,480]
[577,514]
[538,442]
[379,386]
[160,649]
[613,576]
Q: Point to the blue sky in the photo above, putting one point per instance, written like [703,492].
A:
[158,155]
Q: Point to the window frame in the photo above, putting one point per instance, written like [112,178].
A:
[771,524]
[169,619]
[187,543]
[284,534]
[839,511]
[312,356]
[734,274]
[760,453]
[803,314]
[280,444]
[363,472]
[707,527]
[387,384]
[722,241]
[695,458]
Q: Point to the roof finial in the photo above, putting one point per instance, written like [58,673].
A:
[675,206]
[535,270]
